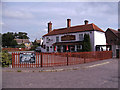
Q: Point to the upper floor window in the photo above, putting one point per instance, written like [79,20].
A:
[47,48]
[47,40]
[57,39]
[81,37]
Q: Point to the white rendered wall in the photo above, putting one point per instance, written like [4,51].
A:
[99,38]
[53,39]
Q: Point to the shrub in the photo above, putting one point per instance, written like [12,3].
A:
[18,70]
[6,59]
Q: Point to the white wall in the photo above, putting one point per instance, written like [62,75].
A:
[53,39]
[99,38]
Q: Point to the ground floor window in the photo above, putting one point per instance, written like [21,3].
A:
[103,48]
[72,48]
[79,48]
[67,48]
[58,48]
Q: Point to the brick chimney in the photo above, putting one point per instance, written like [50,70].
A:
[49,27]
[68,23]
[86,22]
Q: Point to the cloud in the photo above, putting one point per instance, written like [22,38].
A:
[1,23]
[33,17]
[17,14]
[96,9]
[61,11]
[46,30]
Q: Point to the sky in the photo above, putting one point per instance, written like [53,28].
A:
[32,17]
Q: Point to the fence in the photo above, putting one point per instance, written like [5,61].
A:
[14,49]
[59,59]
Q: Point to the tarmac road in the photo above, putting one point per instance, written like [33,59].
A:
[100,74]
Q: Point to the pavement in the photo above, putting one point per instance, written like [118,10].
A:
[98,74]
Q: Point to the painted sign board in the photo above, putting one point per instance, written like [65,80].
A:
[68,37]
[27,57]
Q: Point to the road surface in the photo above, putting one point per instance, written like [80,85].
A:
[100,74]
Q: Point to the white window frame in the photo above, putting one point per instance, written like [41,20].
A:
[57,38]
[81,37]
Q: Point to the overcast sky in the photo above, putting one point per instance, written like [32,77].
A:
[32,17]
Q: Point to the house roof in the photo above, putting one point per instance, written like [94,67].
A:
[22,40]
[78,28]
[114,31]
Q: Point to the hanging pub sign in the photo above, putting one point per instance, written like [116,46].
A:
[27,57]
[68,37]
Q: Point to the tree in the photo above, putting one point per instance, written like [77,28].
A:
[35,45]
[86,43]
[22,35]
[8,40]
[13,43]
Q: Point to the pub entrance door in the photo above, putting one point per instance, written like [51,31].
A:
[64,48]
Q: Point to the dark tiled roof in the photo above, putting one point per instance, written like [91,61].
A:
[78,28]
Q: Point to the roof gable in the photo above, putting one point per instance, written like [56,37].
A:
[115,32]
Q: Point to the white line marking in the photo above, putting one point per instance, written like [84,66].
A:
[97,65]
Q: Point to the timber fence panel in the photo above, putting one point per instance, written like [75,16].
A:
[59,59]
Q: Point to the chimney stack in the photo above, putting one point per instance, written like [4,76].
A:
[49,27]
[86,22]
[68,23]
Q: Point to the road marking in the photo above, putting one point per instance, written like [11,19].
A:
[97,65]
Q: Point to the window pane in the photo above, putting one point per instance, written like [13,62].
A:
[81,37]
[79,48]
[57,39]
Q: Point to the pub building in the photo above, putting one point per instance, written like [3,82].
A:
[70,39]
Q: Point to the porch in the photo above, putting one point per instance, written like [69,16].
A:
[68,46]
